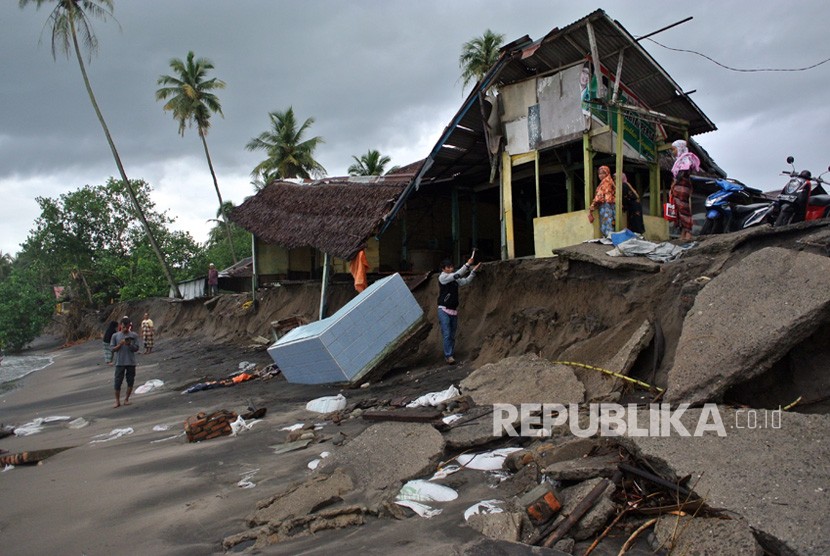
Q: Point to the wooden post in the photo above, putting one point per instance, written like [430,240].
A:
[588,169]
[456,226]
[508,248]
[324,286]
[619,170]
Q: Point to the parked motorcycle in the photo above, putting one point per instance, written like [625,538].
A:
[730,208]
[803,198]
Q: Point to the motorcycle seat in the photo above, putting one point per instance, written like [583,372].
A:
[819,200]
[745,209]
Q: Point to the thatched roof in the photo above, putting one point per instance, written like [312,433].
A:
[335,215]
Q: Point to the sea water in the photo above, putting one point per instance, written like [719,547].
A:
[14,367]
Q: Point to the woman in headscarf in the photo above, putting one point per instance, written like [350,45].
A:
[681,188]
[604,201]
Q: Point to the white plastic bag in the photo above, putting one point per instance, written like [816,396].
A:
[149,386]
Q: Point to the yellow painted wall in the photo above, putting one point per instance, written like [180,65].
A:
[272,259]
[657,229]
[561,230]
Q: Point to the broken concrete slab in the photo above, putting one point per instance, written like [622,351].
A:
[774,478]
[596,253]
[476,431]
[524,379]
[688,535]
[382,457]
[301,499]
[746,319]
[583,468]
[623,343]
[506,526]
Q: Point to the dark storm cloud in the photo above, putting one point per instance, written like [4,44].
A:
[373,74]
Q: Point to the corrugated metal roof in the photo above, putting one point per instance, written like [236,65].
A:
[640,72]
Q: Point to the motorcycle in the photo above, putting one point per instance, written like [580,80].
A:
[730,208]
[802,199]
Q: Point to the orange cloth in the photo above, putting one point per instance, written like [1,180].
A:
[358,268]
[606,192]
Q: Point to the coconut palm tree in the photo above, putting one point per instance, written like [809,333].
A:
[192,101]
[289,154]
[68,19]
[478,55]
[370,164]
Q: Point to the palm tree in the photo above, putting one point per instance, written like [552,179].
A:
[478,55]
[191,101]
[370,164]
[289,155]
[68,19]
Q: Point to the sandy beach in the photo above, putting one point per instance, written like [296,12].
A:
[152,492]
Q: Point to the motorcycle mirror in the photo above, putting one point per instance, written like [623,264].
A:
[790,160]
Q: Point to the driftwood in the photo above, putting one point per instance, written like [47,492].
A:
[32,457]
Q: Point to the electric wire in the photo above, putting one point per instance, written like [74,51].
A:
[742,70]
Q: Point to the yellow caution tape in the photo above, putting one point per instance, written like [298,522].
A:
[788,407]
[611,373]
[247,305]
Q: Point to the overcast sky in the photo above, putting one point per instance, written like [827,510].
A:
[379,74]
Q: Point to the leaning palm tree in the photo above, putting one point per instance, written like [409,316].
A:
[191,101]
[289,154]
[370,164]
[478,55]
[68,19]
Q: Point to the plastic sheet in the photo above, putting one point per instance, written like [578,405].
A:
[36,426]
[115,433]
[434,398]
[149,386]
[484,507]
[486,461]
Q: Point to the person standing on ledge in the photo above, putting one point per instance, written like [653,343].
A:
[448,282]
[213,280]
[124,345]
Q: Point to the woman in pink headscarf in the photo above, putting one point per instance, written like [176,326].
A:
[681,188]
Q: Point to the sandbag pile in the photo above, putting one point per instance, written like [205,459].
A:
[204,427]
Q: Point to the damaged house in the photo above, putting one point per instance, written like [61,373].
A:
[512,173]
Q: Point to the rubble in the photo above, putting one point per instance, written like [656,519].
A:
[530,379]
[746,319]
[774,478]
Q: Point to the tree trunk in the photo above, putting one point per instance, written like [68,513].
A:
[219,195]
[138,210]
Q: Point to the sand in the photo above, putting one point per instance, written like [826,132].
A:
[142,494]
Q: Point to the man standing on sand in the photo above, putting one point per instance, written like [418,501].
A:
[124,345]
[448,282]
[213,280]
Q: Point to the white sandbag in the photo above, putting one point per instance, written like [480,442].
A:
[327,404]
[425,491]
[115,433]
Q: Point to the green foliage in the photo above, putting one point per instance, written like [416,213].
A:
[290,155]
[25,310]
[90,240]
[478,55]
[370,164]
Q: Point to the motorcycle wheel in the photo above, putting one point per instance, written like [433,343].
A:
[712,226]
[784,217]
